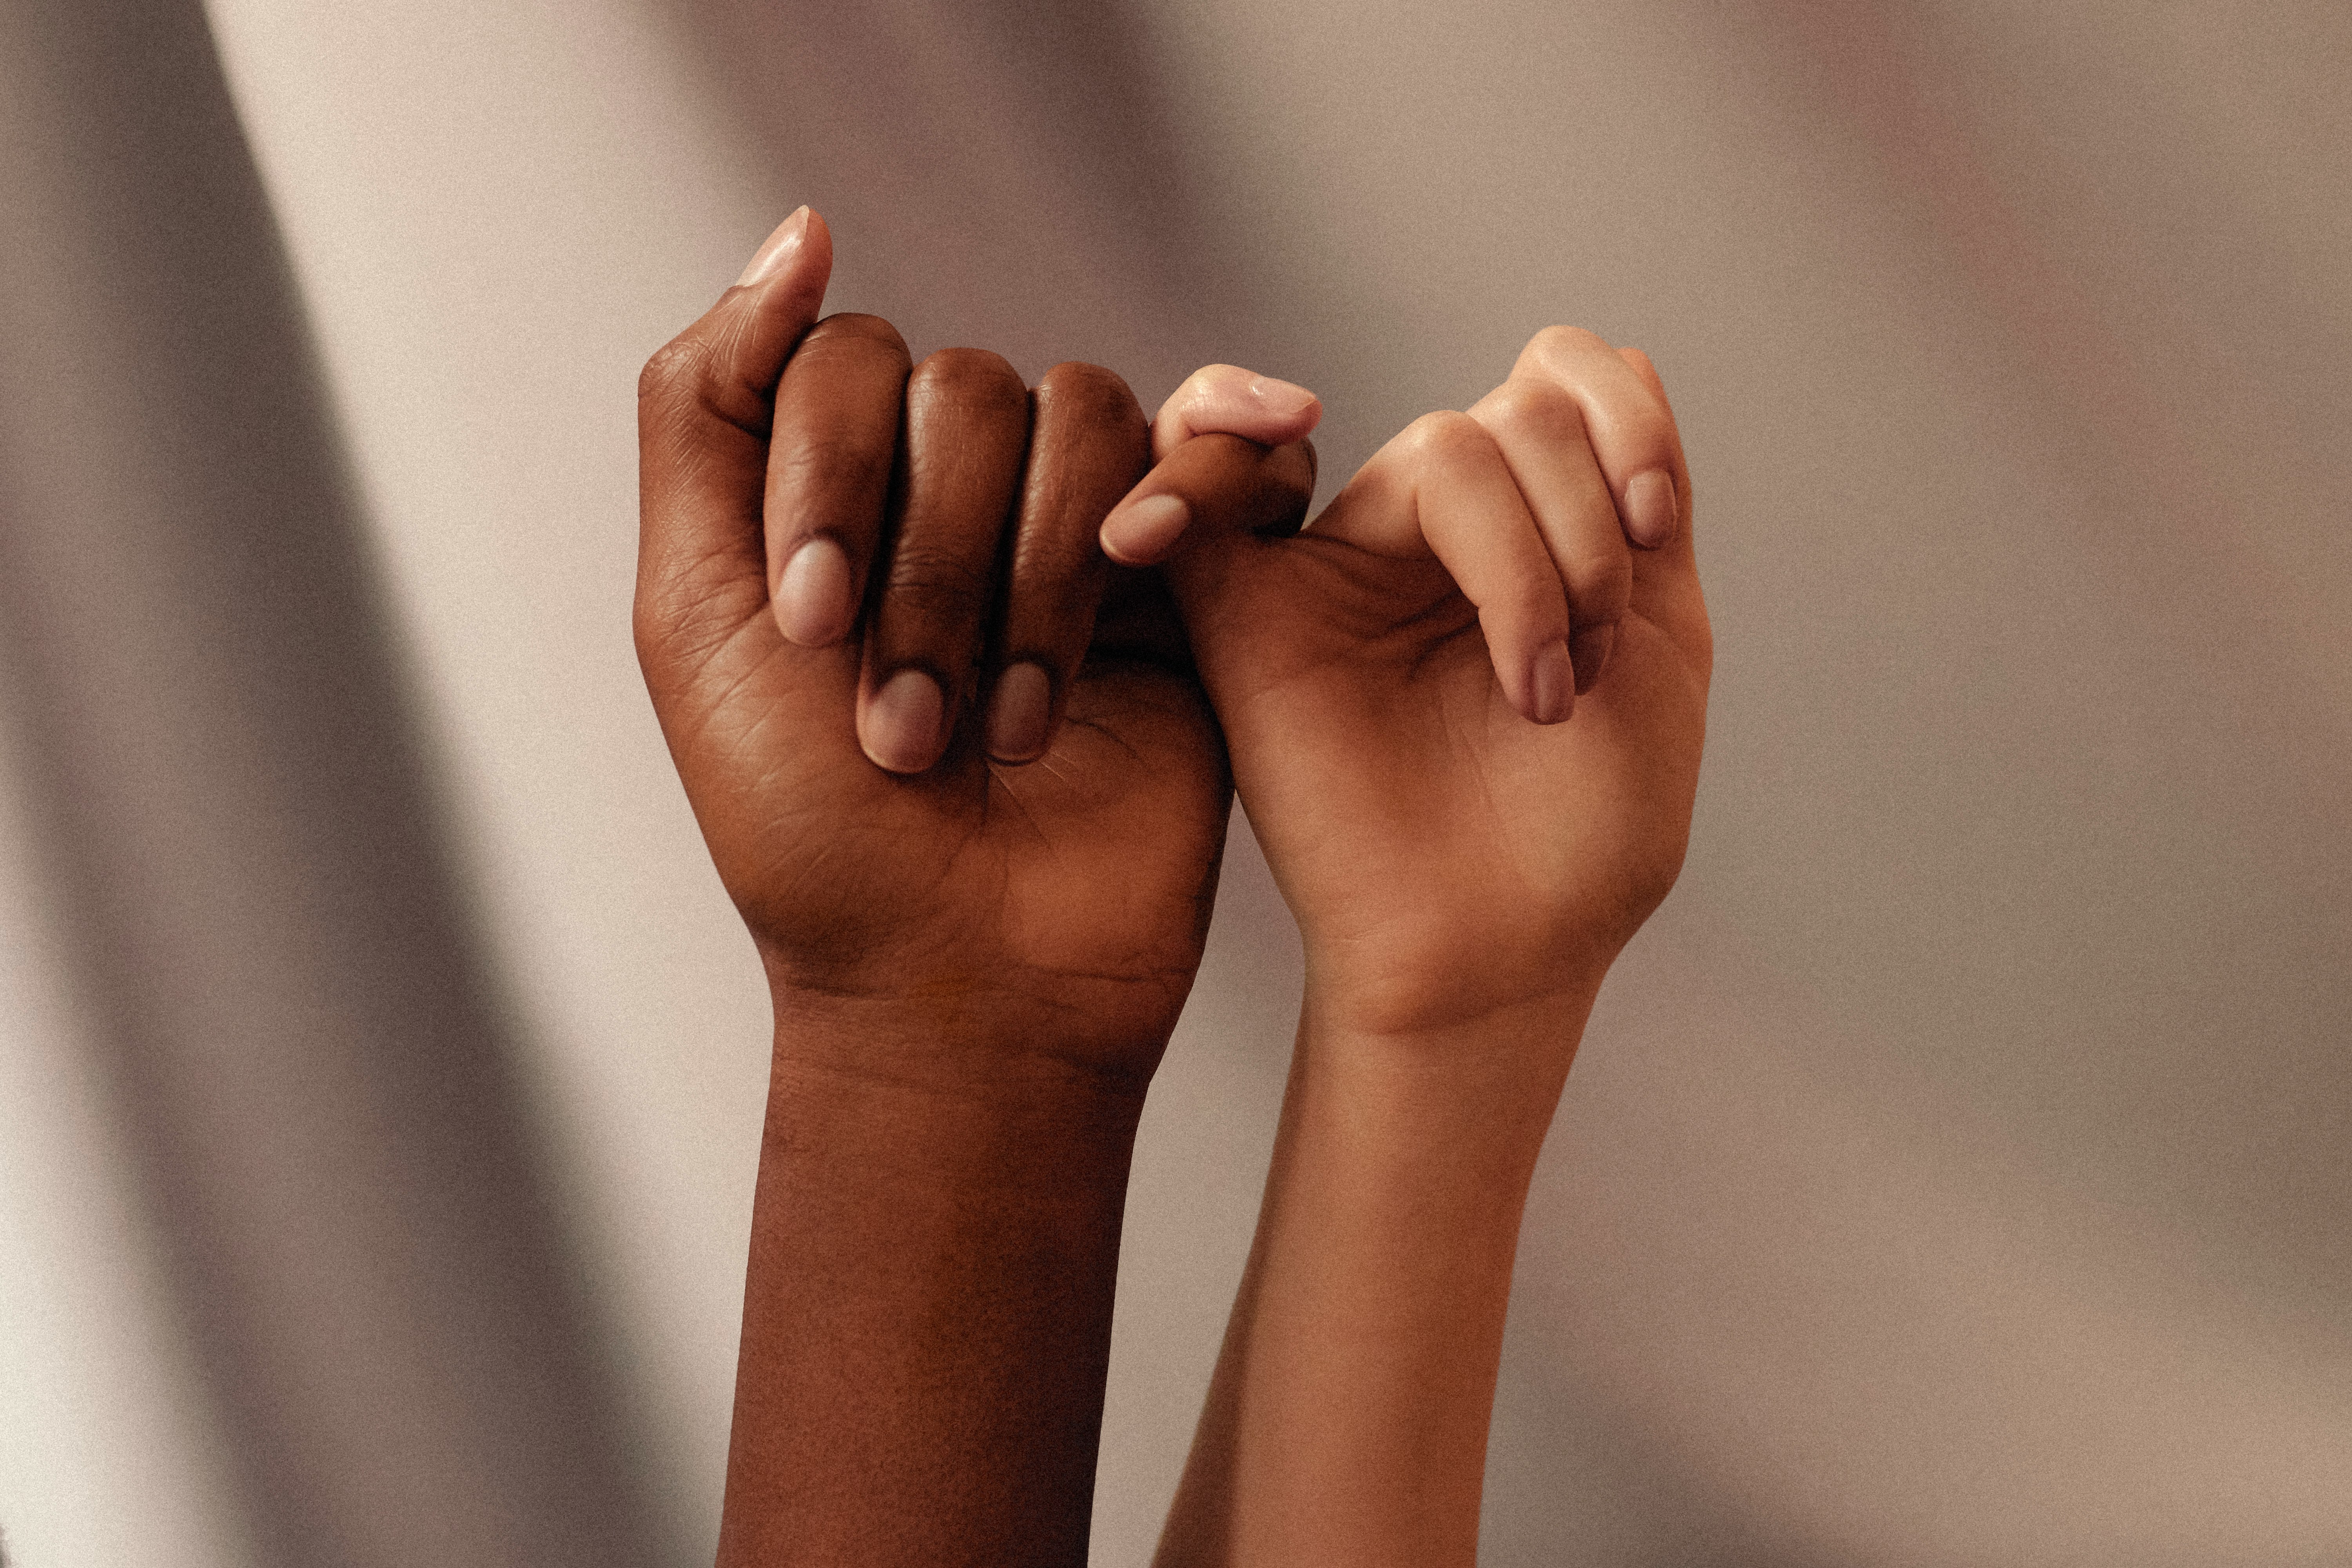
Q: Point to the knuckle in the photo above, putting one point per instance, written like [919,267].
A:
[674,372]
[1088,391]
[968,376]
[856,327]
[936,583]
[817,460]
[1563,341]
[1446,438]
[1534,409]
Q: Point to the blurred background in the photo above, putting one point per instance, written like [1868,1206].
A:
[1959,1170]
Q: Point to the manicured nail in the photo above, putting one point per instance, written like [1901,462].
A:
[1589,650]
[1017,714]
[1650,507]
[1551,683]
[776,249]
[813,603]
[1282,397]
[900,727]
[1139,535]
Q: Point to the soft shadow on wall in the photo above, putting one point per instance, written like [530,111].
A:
[239,829]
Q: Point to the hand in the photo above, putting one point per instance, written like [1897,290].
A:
[973,826]
[1465,710]
[1466,707]
[1048,868]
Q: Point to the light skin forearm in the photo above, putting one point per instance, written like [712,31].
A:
[1346,1421]
[926,1315]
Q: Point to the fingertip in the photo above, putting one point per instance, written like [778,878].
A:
[1020,714]
[1651,509]
[1287,402]
[899,727]
[813,602]
[784,245]
[1140,532]
[1551,684]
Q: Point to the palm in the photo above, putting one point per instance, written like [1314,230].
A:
[1075,887]
[1421,829]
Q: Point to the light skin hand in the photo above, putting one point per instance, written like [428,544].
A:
[1455,828]
[1465,710]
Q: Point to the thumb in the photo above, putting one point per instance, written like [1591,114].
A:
[705,403]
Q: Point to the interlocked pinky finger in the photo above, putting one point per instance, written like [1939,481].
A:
[1227,400]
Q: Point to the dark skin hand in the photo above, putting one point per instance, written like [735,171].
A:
[973,826]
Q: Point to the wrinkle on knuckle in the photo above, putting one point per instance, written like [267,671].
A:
[671,375]
[1536,410]
[1088,392]
[937,581]
[819,459]
[852,327]
[1445,438]
[971,376]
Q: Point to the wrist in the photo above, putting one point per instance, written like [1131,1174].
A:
[927,1307]
[1522,1022]
[960,1039]
[1475,1095]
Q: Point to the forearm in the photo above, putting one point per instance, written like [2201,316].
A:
[926,1316]
[1346,1421]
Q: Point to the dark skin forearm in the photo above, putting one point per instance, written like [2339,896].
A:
[927,1319]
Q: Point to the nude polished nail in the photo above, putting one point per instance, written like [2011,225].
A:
[1551,683]
[1650,507]
[900,726]
[1018,712]
[776,249]
[1282,397]
[1141,532]
[812,598]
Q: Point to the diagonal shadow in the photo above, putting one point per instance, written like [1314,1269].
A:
[307,1047]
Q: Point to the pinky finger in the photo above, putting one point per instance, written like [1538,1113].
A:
[1211,485]
[1227,400]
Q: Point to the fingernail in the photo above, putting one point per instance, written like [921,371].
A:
[776,249]
[813,606]
[1551,683]
[900,727]
[1017,714]
[1138,534]
[1589,651]
[1282,397]
[1650,507]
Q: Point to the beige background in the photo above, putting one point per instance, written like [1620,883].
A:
[1958,1169]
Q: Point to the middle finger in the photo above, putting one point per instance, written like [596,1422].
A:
[967,428]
